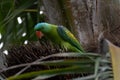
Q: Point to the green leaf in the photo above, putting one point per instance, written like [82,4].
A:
[69,70]
[19,10]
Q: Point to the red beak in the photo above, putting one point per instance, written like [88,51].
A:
[39,34]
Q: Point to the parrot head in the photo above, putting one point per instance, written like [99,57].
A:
[41,28]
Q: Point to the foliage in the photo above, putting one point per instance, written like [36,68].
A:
[10,28]
[88,66]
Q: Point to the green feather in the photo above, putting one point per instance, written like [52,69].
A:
[66,35]
[60,35]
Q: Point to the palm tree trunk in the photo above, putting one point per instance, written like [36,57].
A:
[88,18]
[83,15]
[109,11]
[53,11]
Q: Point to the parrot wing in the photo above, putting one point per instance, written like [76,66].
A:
[67,36]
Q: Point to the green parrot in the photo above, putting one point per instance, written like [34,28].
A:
[60,35]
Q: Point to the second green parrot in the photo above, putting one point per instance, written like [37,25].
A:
[60,35]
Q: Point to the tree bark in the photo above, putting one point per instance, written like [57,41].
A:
[83,13]
[53,11]
[88,19]
[109,13]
